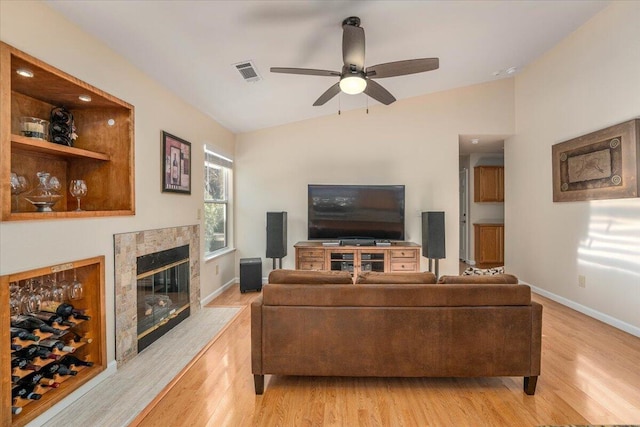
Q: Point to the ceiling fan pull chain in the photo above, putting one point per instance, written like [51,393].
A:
[367,98]
[339,103]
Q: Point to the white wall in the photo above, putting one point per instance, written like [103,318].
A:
[589,81]
[36,29]
[412,142]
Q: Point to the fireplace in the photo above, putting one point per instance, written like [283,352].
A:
[155,284]
[162,289]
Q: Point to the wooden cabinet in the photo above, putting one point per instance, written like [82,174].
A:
[87,336]
[489,244]
[400,256]
[102,155]
[488,184]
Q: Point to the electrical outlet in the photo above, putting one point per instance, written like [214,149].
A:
[582,281]
[217,269]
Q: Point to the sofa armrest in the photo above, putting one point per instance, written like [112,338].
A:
[536,337]
[256,336]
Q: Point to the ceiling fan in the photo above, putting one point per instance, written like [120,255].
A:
[355,78]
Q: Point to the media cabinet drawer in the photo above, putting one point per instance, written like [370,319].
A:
[311,254]
[403,254]
[311,265]
[404,266]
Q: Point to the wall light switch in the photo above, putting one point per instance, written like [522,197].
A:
[582,281]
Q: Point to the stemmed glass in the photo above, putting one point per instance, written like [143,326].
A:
[76,291]
[19,185]
[78,189]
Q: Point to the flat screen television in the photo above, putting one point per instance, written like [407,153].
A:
[356,211]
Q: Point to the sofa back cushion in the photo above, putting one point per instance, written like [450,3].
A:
[411,278]
[506,279]
[304,277]
[396,295]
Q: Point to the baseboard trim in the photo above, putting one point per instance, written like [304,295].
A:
[605,318]
[206,300]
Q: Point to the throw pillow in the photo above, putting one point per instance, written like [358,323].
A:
[305,277]
[472,271]
[412,278]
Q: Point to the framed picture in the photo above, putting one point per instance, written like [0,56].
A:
[600,165]
[176,164]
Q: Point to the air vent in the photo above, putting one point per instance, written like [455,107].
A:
[248,71]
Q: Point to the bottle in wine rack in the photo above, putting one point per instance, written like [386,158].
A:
[15,347]
[25,392]
[70,361]
[31,324]
[45,354]
[31,379]
[64,310]
[56,344]
[51,319]
[15,410]
[27,352]
[23,334]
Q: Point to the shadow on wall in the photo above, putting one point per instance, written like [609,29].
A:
[613,237]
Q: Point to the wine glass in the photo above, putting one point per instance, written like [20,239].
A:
[76,291]
[65,287]
[78,189]
[19,185]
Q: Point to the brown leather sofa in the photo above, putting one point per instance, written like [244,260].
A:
[317,328]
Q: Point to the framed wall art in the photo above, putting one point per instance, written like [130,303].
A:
[176,164]
[600,165]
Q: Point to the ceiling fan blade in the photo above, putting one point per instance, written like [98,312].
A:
[305,71]
[377,92]
[330,93]
[402,68]
[353,46]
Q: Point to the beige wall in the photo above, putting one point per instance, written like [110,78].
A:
[412,142]
[36,29]
[589,81]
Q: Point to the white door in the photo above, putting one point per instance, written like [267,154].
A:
[464,205]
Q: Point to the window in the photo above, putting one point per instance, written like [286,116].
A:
[217,174]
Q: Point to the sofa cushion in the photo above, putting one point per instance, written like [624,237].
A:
[396,295]
[508,279]
[304,277]
[411,278]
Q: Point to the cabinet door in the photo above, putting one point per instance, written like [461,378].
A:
[488,184]
[489,244]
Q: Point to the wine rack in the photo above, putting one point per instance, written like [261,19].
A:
[86,336]
[102,153]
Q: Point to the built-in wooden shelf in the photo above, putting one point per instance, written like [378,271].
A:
[102,155]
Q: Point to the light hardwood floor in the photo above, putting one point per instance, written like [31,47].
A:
[590,375]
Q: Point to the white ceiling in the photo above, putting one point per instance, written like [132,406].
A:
[190,46]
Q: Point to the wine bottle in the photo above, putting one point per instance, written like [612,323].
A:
[15,347]
[24,364]
[25,392]
[23,334]
[70,361]
[27,352]
[64,310]
[31,323]
[51,319]
[15,410]
[31,379]
[63,370]
[45,354]
[56,344]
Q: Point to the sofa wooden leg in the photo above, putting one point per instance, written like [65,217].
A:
[258,381]
[530,385]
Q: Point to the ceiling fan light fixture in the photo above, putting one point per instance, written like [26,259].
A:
[353,85]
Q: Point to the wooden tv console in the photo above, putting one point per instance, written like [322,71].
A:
[399,256]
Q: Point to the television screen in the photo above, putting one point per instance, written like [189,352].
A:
[356,211]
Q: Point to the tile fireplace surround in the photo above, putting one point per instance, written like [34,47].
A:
[127,248]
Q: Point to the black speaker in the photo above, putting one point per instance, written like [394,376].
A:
[276,234]
[433,235]
[250,274]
